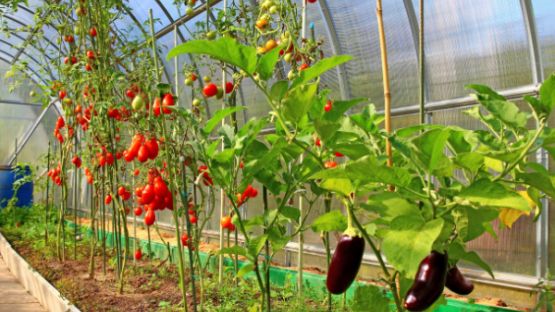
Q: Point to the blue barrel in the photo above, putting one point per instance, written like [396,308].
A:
[8,176]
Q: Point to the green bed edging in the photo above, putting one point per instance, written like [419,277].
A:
[283,276]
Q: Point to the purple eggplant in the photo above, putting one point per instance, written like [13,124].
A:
[345,263]
[457,283]
[428,282]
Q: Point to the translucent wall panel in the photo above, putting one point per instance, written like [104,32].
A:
[37,146]
[545,25]
[140,10]
[515,249]
[14,119]
[357,30]
[475,41]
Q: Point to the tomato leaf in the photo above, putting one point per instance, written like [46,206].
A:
[290,212]
[267,63]
[330,221]
[341,186]
[319,68]
[218,117]
[297,102]
[224,49]
[390,205]
[409,240]
[547,95]
[506,111]
[491,194]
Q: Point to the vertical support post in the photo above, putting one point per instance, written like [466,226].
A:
[421,66]
[542,226]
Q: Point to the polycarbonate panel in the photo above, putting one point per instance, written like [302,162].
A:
[357,29]
[15,120]
[37,146]
[514,250]
[474,41]
[545,26]
[140,9]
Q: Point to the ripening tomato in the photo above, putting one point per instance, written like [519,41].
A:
[138,254]
[90,55]
[62,94]
[92,32]
[303,66]
[108,199]
[317,142]
[338,154]
[150,217]
[184,239]
[210,90]
[226,222]
[330,164]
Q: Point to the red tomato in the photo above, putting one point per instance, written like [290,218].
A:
[62,94]
[143,154]
[138,254]
[193,219]
[156,106]
[76,161]
[317,142]
[121,190]
[138,211]
[330,164]
[108,199]
[210,90]
[90,55]
[60,123]
[229,87]
[88,67]
[109,158]
[92,32]
[152,146]
[338,154]
[150,217]
[148,194]
[136,172]
[130,94]
[226,223]
[328,106]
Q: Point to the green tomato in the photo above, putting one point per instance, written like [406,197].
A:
[274,9]
[189,11]
[206,79]
[291,75]
[220,93]
[189,81]
[211,35]
[196,102]
[138,103]
[287,57]
[32,93]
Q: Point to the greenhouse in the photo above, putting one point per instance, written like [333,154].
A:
[277,155]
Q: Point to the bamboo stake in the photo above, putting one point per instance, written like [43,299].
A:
[385,76]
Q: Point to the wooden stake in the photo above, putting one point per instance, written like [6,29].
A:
[385,75]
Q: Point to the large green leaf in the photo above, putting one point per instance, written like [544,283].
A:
[472,223]
[491,194]
[390,205]
[367,296]
[331,221]
[267,64]
[505,111]
[319,68]
[547,94]
[218,117]
[256,244]
[431,148]
[224,49]
[410,240]
[297,102]
[339,108]
[341,186]
[457,251]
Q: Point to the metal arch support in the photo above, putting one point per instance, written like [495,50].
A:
[20,23]
[18,36]
[530,24]
[27,135]
[30,57]
[542,228]
[12,102]
[28,68]
[344,89]
[183,19]
[27,41]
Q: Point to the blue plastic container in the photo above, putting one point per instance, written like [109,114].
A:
[7,178]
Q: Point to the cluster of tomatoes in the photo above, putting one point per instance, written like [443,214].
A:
[60,124]
[142,149]
[90,177]
[206,178]
[249,192]
[155,195]
[329,164]
[54,174]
